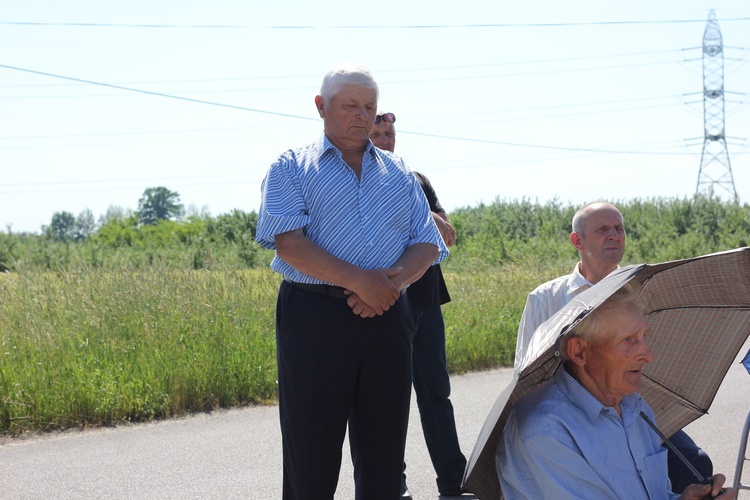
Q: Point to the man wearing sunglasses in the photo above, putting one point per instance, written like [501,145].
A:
[430,372]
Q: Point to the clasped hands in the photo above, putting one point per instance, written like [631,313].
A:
[376,292]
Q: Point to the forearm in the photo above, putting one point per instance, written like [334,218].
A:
[414,262]
[375,287]
[308,257]
[447,232]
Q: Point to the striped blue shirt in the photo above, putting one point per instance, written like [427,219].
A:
[368,222]
[560,442]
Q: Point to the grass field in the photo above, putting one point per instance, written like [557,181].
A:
[98,348]
[156,325]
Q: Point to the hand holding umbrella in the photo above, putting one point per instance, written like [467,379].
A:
[701,480]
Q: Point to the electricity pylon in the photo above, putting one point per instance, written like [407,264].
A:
[715,175]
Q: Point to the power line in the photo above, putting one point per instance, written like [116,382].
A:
[240,129]
[243,108]
[277,88]
[373,26]
[380,71]
[145,132]
[158,94]
[109,181]
[536,146]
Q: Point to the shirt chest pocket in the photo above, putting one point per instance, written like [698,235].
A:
[395,207]
[654,474]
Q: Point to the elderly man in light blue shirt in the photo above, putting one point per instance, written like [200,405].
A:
[351,229]
[580,435]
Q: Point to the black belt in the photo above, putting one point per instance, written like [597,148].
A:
[334,292]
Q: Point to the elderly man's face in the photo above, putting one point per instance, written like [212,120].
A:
[383,136]
[349,116]
[614,360]
[603,240]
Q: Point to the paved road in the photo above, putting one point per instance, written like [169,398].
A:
[237,453]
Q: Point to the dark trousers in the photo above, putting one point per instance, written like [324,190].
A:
[335,366]
[679,474]
[433,389]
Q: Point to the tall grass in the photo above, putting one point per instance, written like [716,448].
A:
[97,348]
[482,317]
[95,344]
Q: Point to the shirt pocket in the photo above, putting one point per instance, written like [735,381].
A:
[396,209]
[654,475]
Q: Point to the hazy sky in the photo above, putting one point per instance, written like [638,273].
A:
[537,100]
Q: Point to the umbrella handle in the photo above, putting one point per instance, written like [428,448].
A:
[701,479]
[698,475]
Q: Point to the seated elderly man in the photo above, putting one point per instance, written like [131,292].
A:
[580,434]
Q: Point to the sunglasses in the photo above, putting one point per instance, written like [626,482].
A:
[386,117]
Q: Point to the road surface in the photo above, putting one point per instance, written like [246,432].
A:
[237,453]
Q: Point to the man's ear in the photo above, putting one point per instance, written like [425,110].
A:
[575,348]
[319,103]
[575,239]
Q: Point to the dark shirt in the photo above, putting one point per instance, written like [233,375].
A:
[429,290]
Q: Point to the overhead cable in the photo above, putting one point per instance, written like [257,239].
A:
[371,26]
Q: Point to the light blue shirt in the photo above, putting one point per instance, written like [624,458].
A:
[560,442]
[368,222]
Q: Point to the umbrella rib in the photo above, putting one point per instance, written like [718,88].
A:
[686,402]
[675,308]
[549,364]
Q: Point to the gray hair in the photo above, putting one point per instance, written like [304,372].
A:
[591,327]
[579,219]
[347,74]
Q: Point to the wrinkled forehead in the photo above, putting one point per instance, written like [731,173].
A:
[617,322]
[383,128]
[603,215]
[356,93]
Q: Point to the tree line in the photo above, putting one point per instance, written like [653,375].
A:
[159,235]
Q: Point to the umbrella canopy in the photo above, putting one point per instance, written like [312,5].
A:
[698,316]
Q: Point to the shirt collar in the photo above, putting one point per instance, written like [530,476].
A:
[577,281]
[590,406]
[324,145]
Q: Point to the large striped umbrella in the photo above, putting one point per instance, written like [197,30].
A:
[698,316]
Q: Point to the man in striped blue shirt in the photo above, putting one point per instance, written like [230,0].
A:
[351,229]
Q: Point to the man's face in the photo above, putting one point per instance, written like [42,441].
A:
[383,136]
[615,358]
[603,238]
[348,116]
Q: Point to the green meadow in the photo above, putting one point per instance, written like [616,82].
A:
[105,334]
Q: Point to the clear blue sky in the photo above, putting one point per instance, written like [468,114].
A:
[577,100]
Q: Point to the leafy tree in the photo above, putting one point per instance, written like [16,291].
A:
[7,246]
[232,226]
[62,227]
[116,213]
[85,225]
[157,204]
[118,232]
[237,228]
